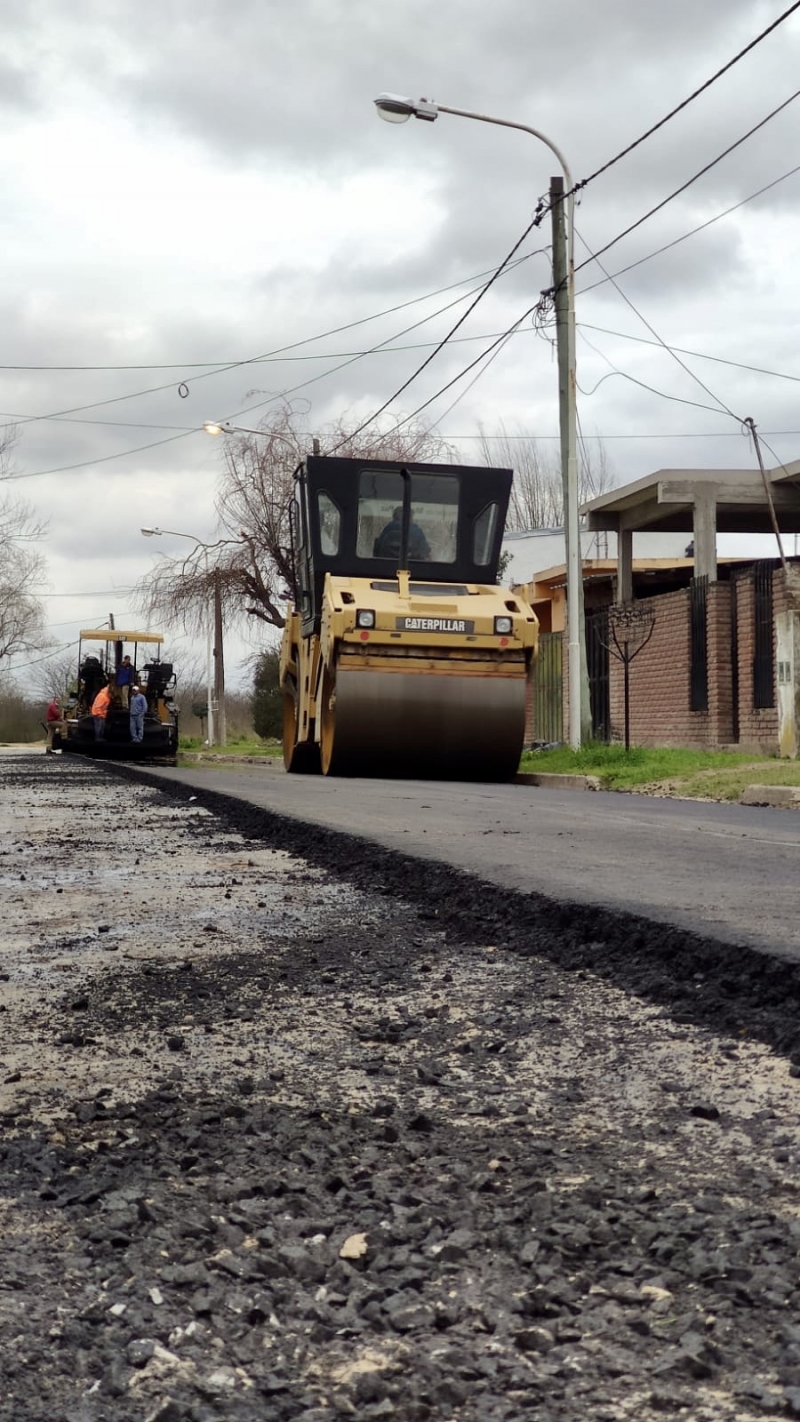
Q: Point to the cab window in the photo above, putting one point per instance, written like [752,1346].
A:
[433,531]
[484,530]
[330,524]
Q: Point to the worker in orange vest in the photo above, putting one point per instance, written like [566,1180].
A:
[100,706]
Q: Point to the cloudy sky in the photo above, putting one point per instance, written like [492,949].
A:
[190,188]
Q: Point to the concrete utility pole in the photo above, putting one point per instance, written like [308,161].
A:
[580,715]
[220,720]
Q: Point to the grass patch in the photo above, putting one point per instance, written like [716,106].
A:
[237,745]
[618,769]
[729,784]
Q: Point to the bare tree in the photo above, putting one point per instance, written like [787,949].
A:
[249,569]
[537,493]
[22,568]
[55,676]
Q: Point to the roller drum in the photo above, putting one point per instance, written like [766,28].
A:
[420,725]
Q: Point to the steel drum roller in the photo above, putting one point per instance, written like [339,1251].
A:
[468,727]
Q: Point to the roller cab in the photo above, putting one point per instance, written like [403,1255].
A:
[401,655]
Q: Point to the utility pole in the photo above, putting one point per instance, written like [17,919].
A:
[219,667]
[580,718]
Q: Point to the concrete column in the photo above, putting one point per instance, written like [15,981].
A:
[625,565]
[705,535]
[787,637]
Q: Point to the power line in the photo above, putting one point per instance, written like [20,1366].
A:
[686,235]
[237,365]
[427,345]
[46,658]
[93,592]
[660,339]
[467,368]
[481,292]
[185,433]
[698,355]
[669,434]
[678,399]
[269,355]
[685,102]
[699,174]
[542,209]
[495,353]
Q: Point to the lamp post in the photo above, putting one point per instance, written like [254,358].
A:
[395,108]
[212,709]
[223,427]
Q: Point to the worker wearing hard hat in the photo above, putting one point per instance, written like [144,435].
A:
[137,709]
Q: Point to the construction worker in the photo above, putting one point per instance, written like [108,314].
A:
[53,720]
[100,706]
[138,707]
[124,679]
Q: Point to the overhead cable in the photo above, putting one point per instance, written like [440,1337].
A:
[542,208]
[283,394]
[690,98]
[670,351]
[686,235]
[250,360]
[698,355]
[699,174]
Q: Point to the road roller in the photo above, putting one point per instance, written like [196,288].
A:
[401,656]
[102,655]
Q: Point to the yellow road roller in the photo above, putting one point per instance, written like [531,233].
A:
[401,656]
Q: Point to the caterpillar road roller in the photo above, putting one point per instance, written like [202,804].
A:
[401,656]
[101,656]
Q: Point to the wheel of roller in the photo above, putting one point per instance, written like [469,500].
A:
[397,723]
[299,757]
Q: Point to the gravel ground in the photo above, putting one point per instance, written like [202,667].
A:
[292,1128]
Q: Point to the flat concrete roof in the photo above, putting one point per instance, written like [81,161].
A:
[665,501]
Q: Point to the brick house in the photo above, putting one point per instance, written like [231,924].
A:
[718,668]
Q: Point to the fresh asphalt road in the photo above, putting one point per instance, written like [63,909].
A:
[726,870]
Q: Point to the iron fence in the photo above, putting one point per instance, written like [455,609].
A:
[548,713]
[763,638]
[698,680]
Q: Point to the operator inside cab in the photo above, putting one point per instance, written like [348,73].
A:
[389,540]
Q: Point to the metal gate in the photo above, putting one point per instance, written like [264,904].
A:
[548,689]
[763,636]
[599,681]
[698,642]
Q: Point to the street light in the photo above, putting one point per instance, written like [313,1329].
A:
[211,708]
[396,108]
[221,427]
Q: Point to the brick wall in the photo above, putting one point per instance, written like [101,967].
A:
[660,680]
[660,674]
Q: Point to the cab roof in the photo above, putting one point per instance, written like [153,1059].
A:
[105,634]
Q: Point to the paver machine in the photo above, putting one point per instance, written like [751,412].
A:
[100,656]
[401,656]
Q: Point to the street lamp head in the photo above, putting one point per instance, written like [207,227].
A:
[394,108]
[150,532]
[213,427]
